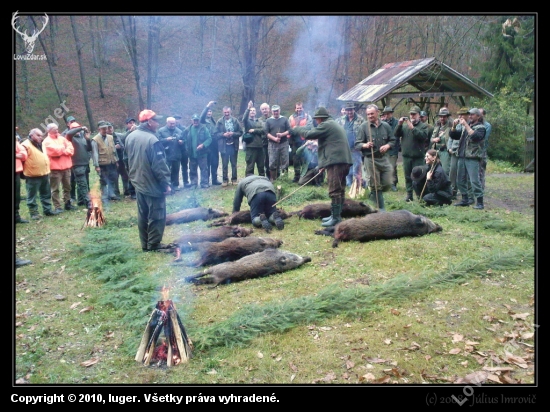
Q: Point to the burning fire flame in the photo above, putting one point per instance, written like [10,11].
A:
[165,292]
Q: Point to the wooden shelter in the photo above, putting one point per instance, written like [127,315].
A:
[423,82]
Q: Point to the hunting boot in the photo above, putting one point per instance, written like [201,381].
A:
[409,197]
[272,175]
[455,193]
[464,201]
[479,204]
[336,217]
[21,262]
[257,222]
[372,198]
[381,202]
[275,219]
[265,223]
[69,206]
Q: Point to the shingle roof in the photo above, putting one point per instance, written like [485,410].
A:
[415,79]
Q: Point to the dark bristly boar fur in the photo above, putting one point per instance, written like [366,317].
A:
[190,215]
[231,249]
[190,242]
[351,208]
[259,264]
[241,217]
[384,225]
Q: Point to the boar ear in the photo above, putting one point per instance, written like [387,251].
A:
[418,222]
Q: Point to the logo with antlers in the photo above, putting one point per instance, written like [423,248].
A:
[29,40]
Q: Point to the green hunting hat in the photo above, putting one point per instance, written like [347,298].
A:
[463,110]
[414,109]
[321,112]
[387,109]
[418,173]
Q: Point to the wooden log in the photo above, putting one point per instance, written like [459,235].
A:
[179,337]
[145,339]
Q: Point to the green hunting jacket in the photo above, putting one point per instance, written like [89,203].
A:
[333,142]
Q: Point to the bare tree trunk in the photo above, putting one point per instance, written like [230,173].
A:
[249,33]
[53,35]
[93,30]
[152,56]
[82,76]
[97,42]
[202,25]
[50,67]
[129,33]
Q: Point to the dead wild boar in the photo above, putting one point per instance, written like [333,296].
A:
[231,249]
[190,215]
[242,217]
[386,225]
[259,264]
[190,241]
[351,208]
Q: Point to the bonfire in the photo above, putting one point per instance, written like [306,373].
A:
[171,349]
[94,217]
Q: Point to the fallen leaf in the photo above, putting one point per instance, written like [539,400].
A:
[349,364]
[395,312]
[457,337]
[521,316]
[90,362]
[384,379]
[86,309]
[74,305]
[260,355]
[427,357]
[292,377]
[493,378]
[110,335]
[387,341]
[212,372]
[497,368]
[369,377]
[527,335]
[375,360]
[329,377]
[325,328]
[454,351]
[293,367]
